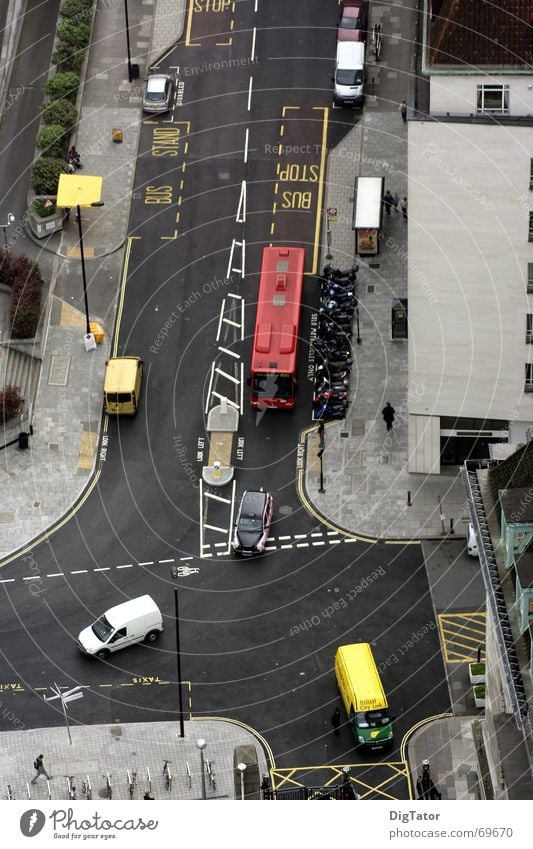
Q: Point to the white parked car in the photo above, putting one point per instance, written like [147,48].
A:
[471,541]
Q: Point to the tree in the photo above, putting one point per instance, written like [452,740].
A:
[53,139]
[61,112]
[63,86]
[11,402]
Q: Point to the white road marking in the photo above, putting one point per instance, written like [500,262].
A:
[231,353]
[147,563]
[218,497]
[171,560]
[250,96]
[80,572]
[215,528]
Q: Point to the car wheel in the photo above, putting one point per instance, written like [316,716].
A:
[102,654]
[151,637]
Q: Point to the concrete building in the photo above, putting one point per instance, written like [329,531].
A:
[471,236]
[470,303]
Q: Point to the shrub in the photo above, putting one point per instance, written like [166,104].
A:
[41,208]
[45,174]
[68,58]
[25,300]
[60,112]
[6,270]
[11,402]
[78,9]
[76,34]
[63,86]
[53,139]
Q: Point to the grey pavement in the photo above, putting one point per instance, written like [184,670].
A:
[138,747]
[367,485]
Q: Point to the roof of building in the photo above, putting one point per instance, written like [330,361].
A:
[517,505]
[515,473]
[471,35]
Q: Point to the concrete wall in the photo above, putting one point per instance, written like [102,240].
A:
[468,253]
[457,94]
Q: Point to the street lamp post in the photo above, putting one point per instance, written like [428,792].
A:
[174,573]
[357,316]
[10,219]
[130,74]
[82,255]
[201,744]
[321,445]
[241,767]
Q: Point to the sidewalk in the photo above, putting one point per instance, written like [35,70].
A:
[100,749]
[365,470]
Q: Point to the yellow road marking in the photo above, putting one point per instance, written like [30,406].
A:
[325,110]
[75,253]
[459,637]
[87,449]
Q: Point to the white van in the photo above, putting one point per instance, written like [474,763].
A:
[349,74]
[131,622]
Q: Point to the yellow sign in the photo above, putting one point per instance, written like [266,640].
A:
[77,190]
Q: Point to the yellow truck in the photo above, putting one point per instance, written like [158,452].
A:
[122,385]
[363,695]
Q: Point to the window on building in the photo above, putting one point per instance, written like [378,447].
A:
[493,99]
[530,277]
[530,237]
[528,387]
[529,327]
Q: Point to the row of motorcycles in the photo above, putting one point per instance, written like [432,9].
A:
[333,351]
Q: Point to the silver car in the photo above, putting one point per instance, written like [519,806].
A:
[159,93]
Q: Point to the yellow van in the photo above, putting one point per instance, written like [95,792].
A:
[363,695]
[122,385]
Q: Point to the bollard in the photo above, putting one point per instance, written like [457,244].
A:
[409,498]
[216,469]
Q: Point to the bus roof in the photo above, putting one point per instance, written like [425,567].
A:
[360,668]
[278,310]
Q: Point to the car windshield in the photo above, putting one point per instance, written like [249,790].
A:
[347,22]
[102,629]
[372,719]
[347,77]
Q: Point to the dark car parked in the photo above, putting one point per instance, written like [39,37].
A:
[252,524]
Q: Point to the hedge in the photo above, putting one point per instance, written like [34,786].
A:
[78,9]
[11,402]
[68,58]
[53,139]
[6,271]
[45,174]
[60,112]
[63,86]
[26,295]
[76,34]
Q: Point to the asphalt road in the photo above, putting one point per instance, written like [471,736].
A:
[258,638]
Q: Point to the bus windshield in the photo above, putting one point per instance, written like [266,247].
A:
[372,719]
[272,385]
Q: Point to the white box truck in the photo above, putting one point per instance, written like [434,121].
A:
[133,621]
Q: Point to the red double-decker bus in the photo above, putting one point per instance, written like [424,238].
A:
[274,356]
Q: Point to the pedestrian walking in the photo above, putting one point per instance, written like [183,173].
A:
[38,765]
[336,721]
[425,789]
[388,201]
[404,209]
[148,795]
[388,414]
[67,213]
[402,109]
[396,201]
